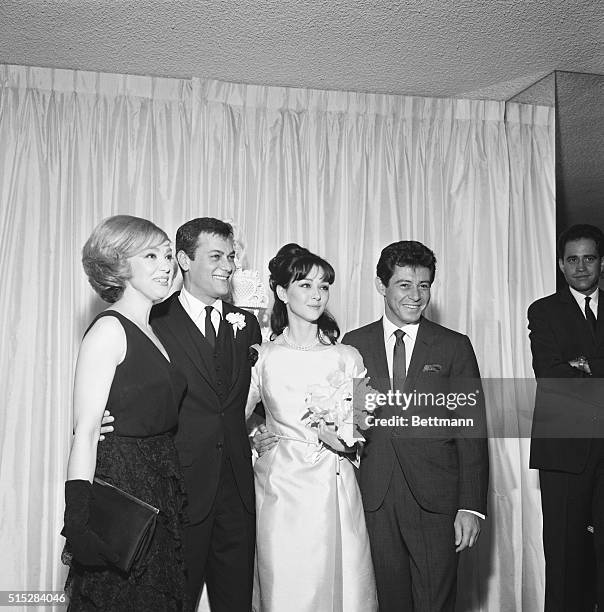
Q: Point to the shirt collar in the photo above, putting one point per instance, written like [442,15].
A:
[194,306]
[389,328]
[580,298]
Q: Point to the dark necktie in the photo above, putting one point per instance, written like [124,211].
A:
[589,315]
[399,361]
[210,331]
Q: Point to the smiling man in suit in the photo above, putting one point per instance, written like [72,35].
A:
[567,343]
[424,498]
[208,341]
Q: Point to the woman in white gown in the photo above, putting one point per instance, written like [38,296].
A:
[312,551]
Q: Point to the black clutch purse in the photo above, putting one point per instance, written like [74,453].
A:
[124,522]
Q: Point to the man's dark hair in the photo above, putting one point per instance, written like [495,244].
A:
[405,253]
[577,232]
[187,234]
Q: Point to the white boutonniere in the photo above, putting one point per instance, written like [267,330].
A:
[237,320]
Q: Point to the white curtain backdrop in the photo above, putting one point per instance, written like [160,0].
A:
[343,174]
[74,147]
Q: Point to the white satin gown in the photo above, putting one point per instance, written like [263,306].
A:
[312,549]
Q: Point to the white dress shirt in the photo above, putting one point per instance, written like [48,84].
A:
[196,310]
[593,303]
[390,340]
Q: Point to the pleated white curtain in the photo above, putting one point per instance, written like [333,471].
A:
[75,147]
[347,173]
[343,174]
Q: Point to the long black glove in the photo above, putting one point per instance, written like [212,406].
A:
[86,547]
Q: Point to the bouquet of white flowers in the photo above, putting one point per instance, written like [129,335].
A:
[341,404]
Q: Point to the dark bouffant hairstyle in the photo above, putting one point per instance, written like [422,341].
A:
[405,253]
[576,232]
[187,234]
[105,254]
[292,263]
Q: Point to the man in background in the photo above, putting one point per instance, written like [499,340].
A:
[567,344]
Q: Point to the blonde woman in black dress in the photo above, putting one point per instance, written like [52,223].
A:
[122,367]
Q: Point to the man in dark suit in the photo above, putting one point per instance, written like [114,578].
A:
[424,498]
[208,340]
[567,343]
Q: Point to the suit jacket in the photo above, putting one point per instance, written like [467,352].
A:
[444,474]
[566,398]
[212,418]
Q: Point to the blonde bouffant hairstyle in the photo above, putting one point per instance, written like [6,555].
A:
[105,254]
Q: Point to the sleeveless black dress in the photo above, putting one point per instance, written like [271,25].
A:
[140,458]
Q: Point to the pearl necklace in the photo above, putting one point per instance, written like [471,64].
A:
[299,347]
